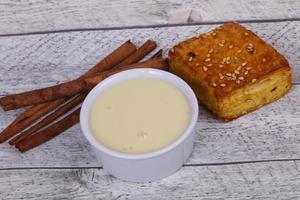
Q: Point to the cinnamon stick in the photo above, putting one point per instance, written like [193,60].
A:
[90,82]
[158,54]
[18,126]
[50,132]
[141,52]
[118,55]
[37,111]
[27,113]
[66,89]
[73,118]
[34,97]
[50,118]
[39,96]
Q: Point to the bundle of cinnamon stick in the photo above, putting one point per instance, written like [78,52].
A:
[54,109]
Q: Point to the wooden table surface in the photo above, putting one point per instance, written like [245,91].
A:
[46,42]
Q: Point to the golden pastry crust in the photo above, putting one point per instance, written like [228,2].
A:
[226,61]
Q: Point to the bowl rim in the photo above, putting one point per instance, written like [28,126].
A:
[135,74]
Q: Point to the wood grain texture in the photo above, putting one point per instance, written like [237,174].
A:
[34,61]
[263,181]
[39,15]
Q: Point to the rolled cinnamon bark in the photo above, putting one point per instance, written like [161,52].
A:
[141,52]
[11,102]
[90,82]
[27,114]
[32,114]
[69,88]
[158,54]
[50,132]
[50,118]
[73,118]
[18,126]
[43,95]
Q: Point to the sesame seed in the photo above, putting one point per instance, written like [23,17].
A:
[234,78]
[221,76]
[253,80]
[208,55]
[248,68]
[209,65]
[239,67]
[223,85]
[210,32]
[214,84]
[241,78]
[239,51]
[238,81]
[228,74]
[264,60]
[221,66]
[250,48]
[207,59]
[190,59]
[221,45]
[197,64]
[210,51]
[214,33]
[230,46]
[246,33]
[236,71]
[223,41]
[172,50]
[244,64]
[205,69]
[228,60]
[224,60]
[246,72]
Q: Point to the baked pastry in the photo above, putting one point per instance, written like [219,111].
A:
[231,70]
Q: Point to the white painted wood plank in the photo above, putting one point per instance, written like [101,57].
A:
[38,15]
[29,62]
[34,61]
[263,181]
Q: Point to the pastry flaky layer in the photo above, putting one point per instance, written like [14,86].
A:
[231,70]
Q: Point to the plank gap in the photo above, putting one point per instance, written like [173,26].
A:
[151,26]
[185,165]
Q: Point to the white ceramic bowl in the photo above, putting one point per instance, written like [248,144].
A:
[148,166]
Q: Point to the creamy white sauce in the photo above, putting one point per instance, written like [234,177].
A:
[139,116]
